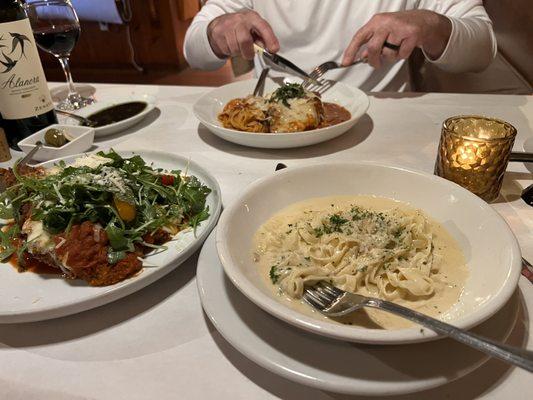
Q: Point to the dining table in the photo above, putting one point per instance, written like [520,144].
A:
[158,343]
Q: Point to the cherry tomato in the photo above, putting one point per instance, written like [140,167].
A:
[167,180]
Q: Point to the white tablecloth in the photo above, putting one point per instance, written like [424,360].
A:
[157,343]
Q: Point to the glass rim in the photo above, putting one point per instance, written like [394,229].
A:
[447,121]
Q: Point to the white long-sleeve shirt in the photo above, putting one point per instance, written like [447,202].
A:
[311,32]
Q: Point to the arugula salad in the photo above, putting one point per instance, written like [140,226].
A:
[97,218]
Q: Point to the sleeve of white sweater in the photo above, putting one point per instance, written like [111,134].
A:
[197,49]
[472,44]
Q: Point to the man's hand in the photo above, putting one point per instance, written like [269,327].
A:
[406,29]
[234,34]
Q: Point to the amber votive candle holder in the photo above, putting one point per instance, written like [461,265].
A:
[474,152]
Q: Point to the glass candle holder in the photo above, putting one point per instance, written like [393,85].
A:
[474,152]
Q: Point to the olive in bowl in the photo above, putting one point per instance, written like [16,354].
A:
[59,141]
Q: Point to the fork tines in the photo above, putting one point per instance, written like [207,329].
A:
[322,295]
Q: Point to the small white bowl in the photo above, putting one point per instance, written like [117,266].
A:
[490,248]
[207,108]
[83,140]
[119,126]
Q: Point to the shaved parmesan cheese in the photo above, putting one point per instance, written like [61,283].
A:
[111,177]
[91,161]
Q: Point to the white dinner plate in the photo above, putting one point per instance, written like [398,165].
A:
[117,126]
[33,297]
[333,365]
[207,108]
[491,251]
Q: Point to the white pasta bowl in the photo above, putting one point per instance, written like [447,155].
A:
[491,251]
[207,108]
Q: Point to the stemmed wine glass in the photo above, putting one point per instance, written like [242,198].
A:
[56,29]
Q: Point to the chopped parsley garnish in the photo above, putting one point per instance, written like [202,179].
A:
[287,92]
[398,232]
[359,214]
[274,275]
[334,223]
[318,232]
[336,220]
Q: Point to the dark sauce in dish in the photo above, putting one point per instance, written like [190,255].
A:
[117,113]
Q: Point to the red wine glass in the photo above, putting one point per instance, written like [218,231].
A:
[56,29]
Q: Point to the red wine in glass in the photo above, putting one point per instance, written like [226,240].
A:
[58,42]
[56,29]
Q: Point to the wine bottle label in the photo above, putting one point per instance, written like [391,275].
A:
[23,89]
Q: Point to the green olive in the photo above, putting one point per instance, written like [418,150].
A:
[55,138]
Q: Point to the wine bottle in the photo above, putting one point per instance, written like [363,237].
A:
[25,102]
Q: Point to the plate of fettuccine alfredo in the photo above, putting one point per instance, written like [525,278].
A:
[373,230]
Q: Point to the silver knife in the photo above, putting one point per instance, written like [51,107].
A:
[284,64]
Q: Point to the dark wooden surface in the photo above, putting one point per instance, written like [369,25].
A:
[157,31]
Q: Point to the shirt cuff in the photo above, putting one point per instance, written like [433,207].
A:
[471,47]
[446,56]
[210,60]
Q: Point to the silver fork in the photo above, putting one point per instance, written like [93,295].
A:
[27,158]
[334,302]
[319,71]
[329,65]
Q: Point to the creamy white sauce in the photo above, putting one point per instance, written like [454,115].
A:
[448,259]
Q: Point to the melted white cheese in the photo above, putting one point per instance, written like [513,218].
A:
[302,114]
[39,241]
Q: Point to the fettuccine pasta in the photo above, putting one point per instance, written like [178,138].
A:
[388,253]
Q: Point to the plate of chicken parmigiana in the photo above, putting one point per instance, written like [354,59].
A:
[86,230]
[287,115]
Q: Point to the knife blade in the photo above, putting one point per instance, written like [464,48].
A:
[284,64]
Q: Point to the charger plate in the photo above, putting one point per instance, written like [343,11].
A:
[334,365]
